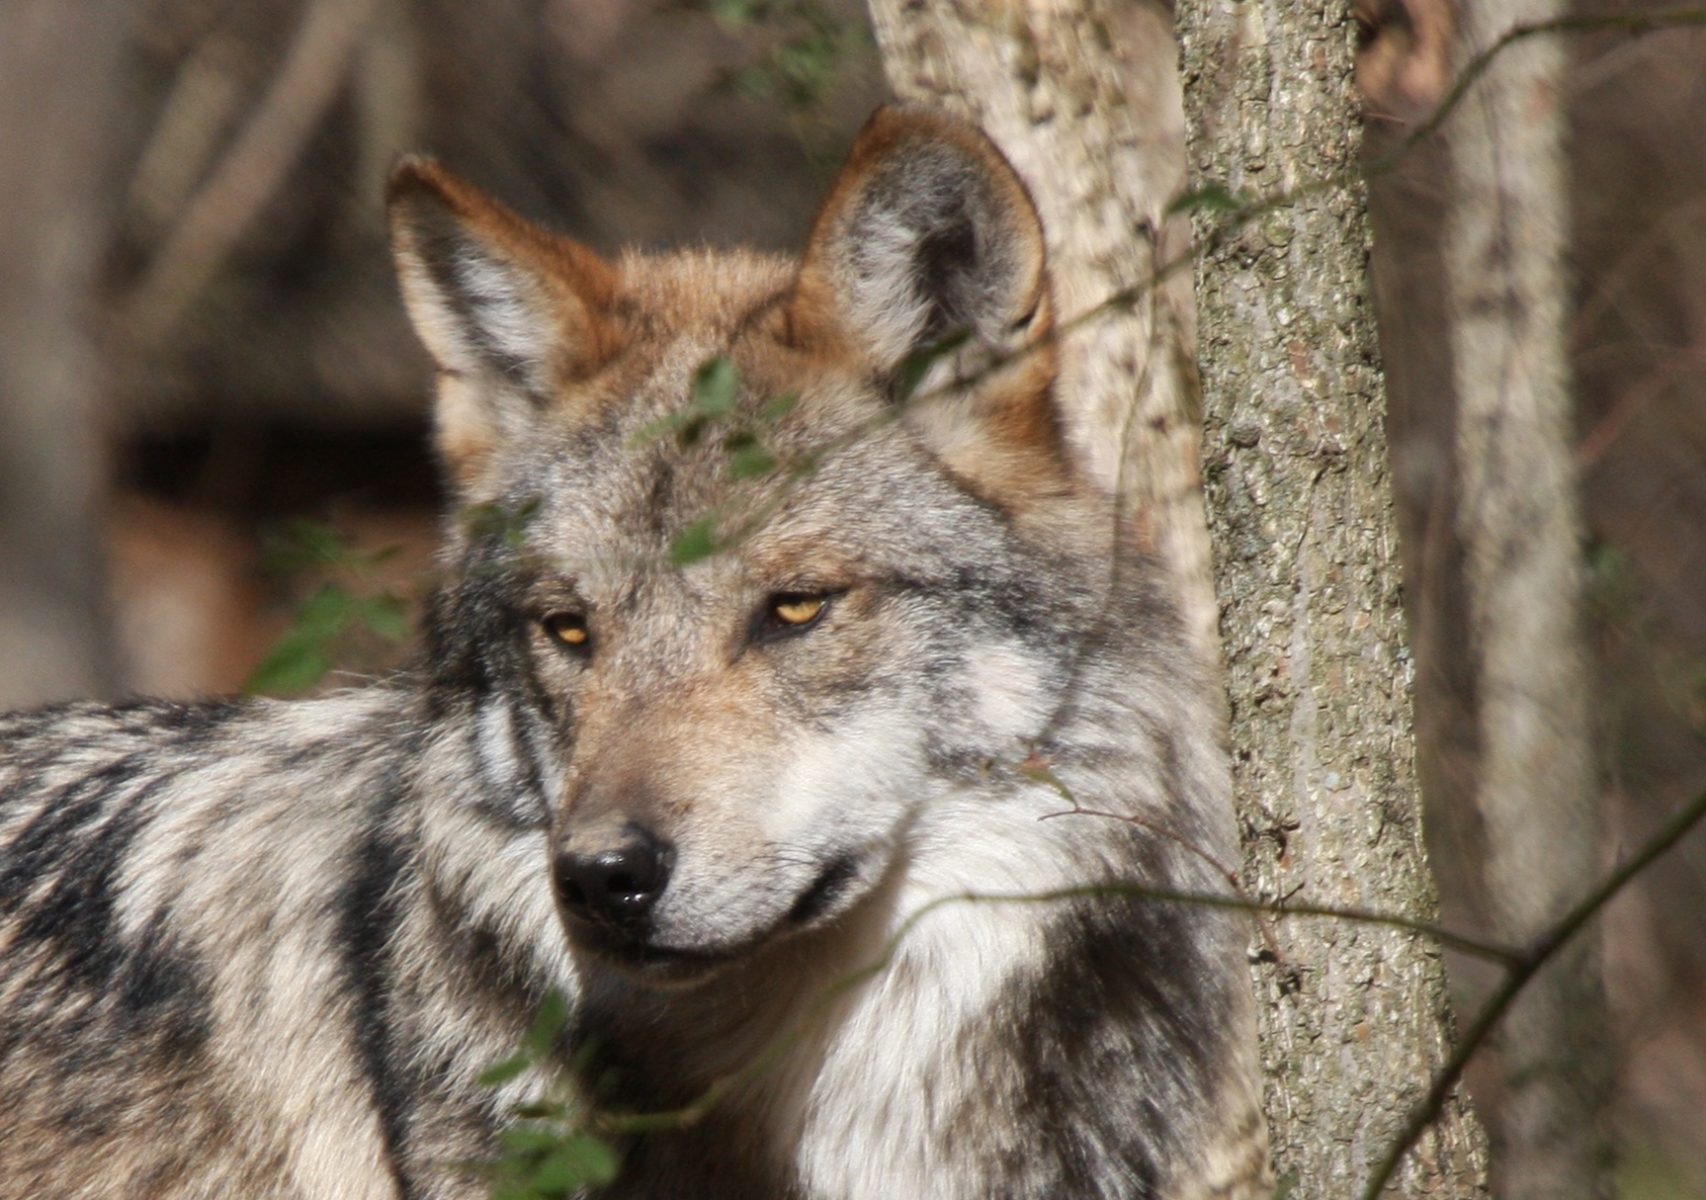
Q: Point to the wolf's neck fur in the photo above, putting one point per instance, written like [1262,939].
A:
[855,1049]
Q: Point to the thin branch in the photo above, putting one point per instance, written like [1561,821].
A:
[1478,947]
[1632,23]
[1537,955]
[1521,964]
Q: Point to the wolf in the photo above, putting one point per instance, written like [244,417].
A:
[792,704]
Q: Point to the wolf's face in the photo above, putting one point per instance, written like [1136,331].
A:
[765,598]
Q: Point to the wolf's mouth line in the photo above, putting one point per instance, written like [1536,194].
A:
[831,883]
[817,899]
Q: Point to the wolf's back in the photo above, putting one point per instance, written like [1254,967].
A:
[180,958]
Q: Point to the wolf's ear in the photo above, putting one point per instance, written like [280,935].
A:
[506,309]
[927,232]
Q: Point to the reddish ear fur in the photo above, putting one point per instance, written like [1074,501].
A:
[506,309]
[927,233]
[472,270]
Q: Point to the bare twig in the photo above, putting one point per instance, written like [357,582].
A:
[1535,957]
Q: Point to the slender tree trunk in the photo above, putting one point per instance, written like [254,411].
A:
[58,71]
[1356,1021]
[1521,531]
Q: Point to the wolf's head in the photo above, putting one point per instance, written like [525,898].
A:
[756,562]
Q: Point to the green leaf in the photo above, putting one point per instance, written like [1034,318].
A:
[751,461]
[695,542]
[548,1025]
[774,410]
[295,665]
[515,533]
[747,456]
[1210,197]
[530,1139]
[496,520]
[306,545]
[581,1160]
[385,615]
[326,613]
[501,1073]
[715,388]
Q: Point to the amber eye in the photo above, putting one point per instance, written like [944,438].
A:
[796,611]
[568,629]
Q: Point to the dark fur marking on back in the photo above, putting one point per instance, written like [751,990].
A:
[163,991]
[75,916]
[54,830]
[368,918]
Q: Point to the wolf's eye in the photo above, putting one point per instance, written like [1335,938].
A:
[568,629]
[790,612]
[797,610]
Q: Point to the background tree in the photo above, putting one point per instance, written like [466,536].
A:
[1519,522]
[58,62]
[1355,1018]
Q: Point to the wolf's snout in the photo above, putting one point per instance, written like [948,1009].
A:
[615,885]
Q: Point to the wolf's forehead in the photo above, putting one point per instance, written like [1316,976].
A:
[711,292]
[631,466]
[637,509]
[627,492]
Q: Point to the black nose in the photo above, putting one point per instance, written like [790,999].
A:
[615,885]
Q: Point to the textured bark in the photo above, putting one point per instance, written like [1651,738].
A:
[1356,1021]
[58,73]
[1520,526]
[1083,97]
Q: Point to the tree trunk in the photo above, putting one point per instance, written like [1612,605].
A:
[1356,1021]
[1521,531]
[58,71]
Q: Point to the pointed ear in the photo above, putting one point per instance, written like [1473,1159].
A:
[927,232]
[507,310]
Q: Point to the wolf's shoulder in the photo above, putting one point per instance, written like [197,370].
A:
[79,745]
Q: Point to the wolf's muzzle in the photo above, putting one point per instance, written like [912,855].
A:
[615,886]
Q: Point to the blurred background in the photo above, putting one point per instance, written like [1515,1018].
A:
[214,472]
